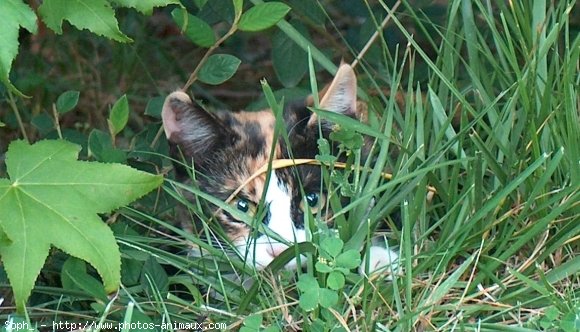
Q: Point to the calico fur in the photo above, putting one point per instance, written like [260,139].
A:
[227,148]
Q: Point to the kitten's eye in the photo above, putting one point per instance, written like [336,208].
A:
[314,200]
[244,205]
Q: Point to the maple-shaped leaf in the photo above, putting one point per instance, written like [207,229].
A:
[13,15]
[145,6]
[96,16]
[52,199]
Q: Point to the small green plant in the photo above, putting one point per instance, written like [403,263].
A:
[336,262]
[102,145]
[333,264]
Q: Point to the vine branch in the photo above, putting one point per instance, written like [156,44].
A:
[193,76]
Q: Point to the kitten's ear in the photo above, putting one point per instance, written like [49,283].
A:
[340,95]
[193,129]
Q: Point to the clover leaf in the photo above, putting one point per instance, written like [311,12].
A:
[312,295]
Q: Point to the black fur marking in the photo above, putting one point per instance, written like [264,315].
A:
[201,133]
[255,139]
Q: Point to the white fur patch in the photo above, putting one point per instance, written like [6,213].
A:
[381,260]
[264,249]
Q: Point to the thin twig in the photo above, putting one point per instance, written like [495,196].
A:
[56,122]
[375,35]
[12,103]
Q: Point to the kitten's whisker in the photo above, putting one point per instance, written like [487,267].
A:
[296,125]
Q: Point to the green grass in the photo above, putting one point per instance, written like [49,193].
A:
[495,249]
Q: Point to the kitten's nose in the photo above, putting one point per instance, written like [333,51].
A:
[276,250]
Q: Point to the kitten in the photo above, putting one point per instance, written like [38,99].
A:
[228,147]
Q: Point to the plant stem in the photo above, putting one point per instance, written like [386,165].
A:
[377,33]
[56,122]
[12,103]
[193,76]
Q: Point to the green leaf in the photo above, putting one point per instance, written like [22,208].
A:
[253,321]
[154,278]
[346,122]
[101,147]
[309,300]
[67,101]
[4,240]
[137,318]
[51,199]
[145,6]
[325,157]
[43,122]
[263,16]
[154,107]
[289,60]
[238,7]
[551,313]
[97,16]
[349,138]
[327,298]
[322,267]
[98,142]
[119,115]
[310,290]
[218,69]
[219,10]
[349,259]
[311,9]
[196,29]
[201,3]
[130,271]
[307,282]
[335,280]
[332,246]
[13,15]
[570,322]
[271,328]
[74,276]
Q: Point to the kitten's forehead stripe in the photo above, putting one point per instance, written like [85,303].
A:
[257,132]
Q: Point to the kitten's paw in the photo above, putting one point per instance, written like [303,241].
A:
[380,260]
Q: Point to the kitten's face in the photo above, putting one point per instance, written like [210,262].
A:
[227,148]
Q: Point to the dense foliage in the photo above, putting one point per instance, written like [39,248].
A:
[473,104]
